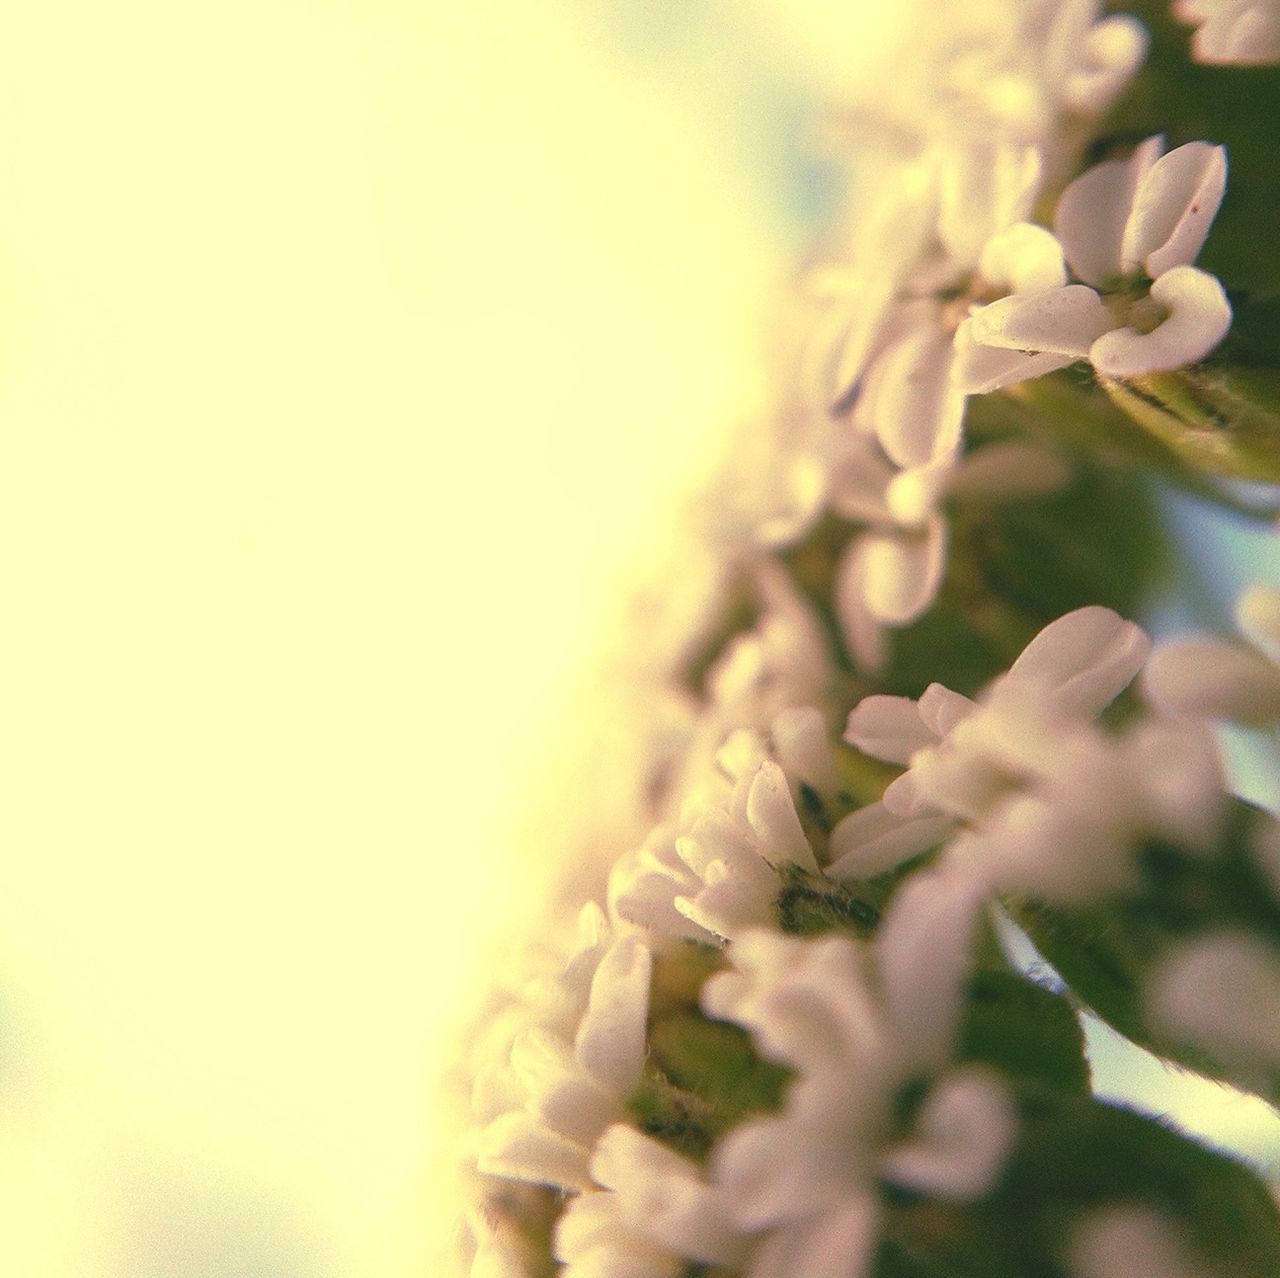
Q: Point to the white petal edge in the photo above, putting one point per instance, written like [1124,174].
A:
[1199,317]
[1093,211]
[1214,681]
[979,370]
[1061,321]
[903,572]
[1174,208]
[888,728]
[1084,660]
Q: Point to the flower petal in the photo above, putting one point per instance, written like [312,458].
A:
[909,400]
[1010,471]
[913,494]
[1240,37]
[1213,680]
[979,369]
[888,728]
[942,709]
[773,819]
[1093,211]
[862,632]
[1025,257]
[1063,321]
[610,1042]
[838,1244]
[924,954]
[984,188]
[1258,616]
[904,572]
[1199,317]
[519,1147]
[1083,660]
[663,1197]
[965,1131]
[1109,54]
[873,840]
[1174,208]
[1221,992]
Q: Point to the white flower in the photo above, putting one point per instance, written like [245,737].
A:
[890,574]
[1070,836]
[1128,1241]
[1224,681]
[1129,230]
[962,755]
[574,1052]
[1049,805]
[1221,993]
[805,1181]
[654,1213]
[1010,68]
[897,379]
[1233,32]
[715,871]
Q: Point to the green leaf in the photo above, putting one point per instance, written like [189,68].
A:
[1075,1155]
[1025,1031]
[1225,421]
[1106,952]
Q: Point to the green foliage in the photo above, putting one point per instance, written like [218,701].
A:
[1104,952]
[809,905]
[1074,1155]
[1217,419]
[1025,1031]
[703,1077]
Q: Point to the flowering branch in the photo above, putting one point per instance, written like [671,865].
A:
[789,1040]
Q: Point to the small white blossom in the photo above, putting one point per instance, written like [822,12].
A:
[962,754]
[1233,32]
[1221,993]
[804,1181]
[1009,68]
[715,870]
[1129,230]
[653,1214]
[1224,681]
[1041,801]
[890,574]
[1127,1241]
[574,1051]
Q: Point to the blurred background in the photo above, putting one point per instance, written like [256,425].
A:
[356,358]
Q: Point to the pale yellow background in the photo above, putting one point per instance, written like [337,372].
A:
[344,350]
[348,352]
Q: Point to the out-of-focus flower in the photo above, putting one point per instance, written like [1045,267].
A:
[804,1182]
[715,870]
[1010,68]
[1221,993]
[1124,1241]
[890,574]
[654,1214]
[1233,32]
[1040,801]
[556,1069]
[1130,230]
[1224,681]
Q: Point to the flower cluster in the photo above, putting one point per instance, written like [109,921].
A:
[788,1041]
